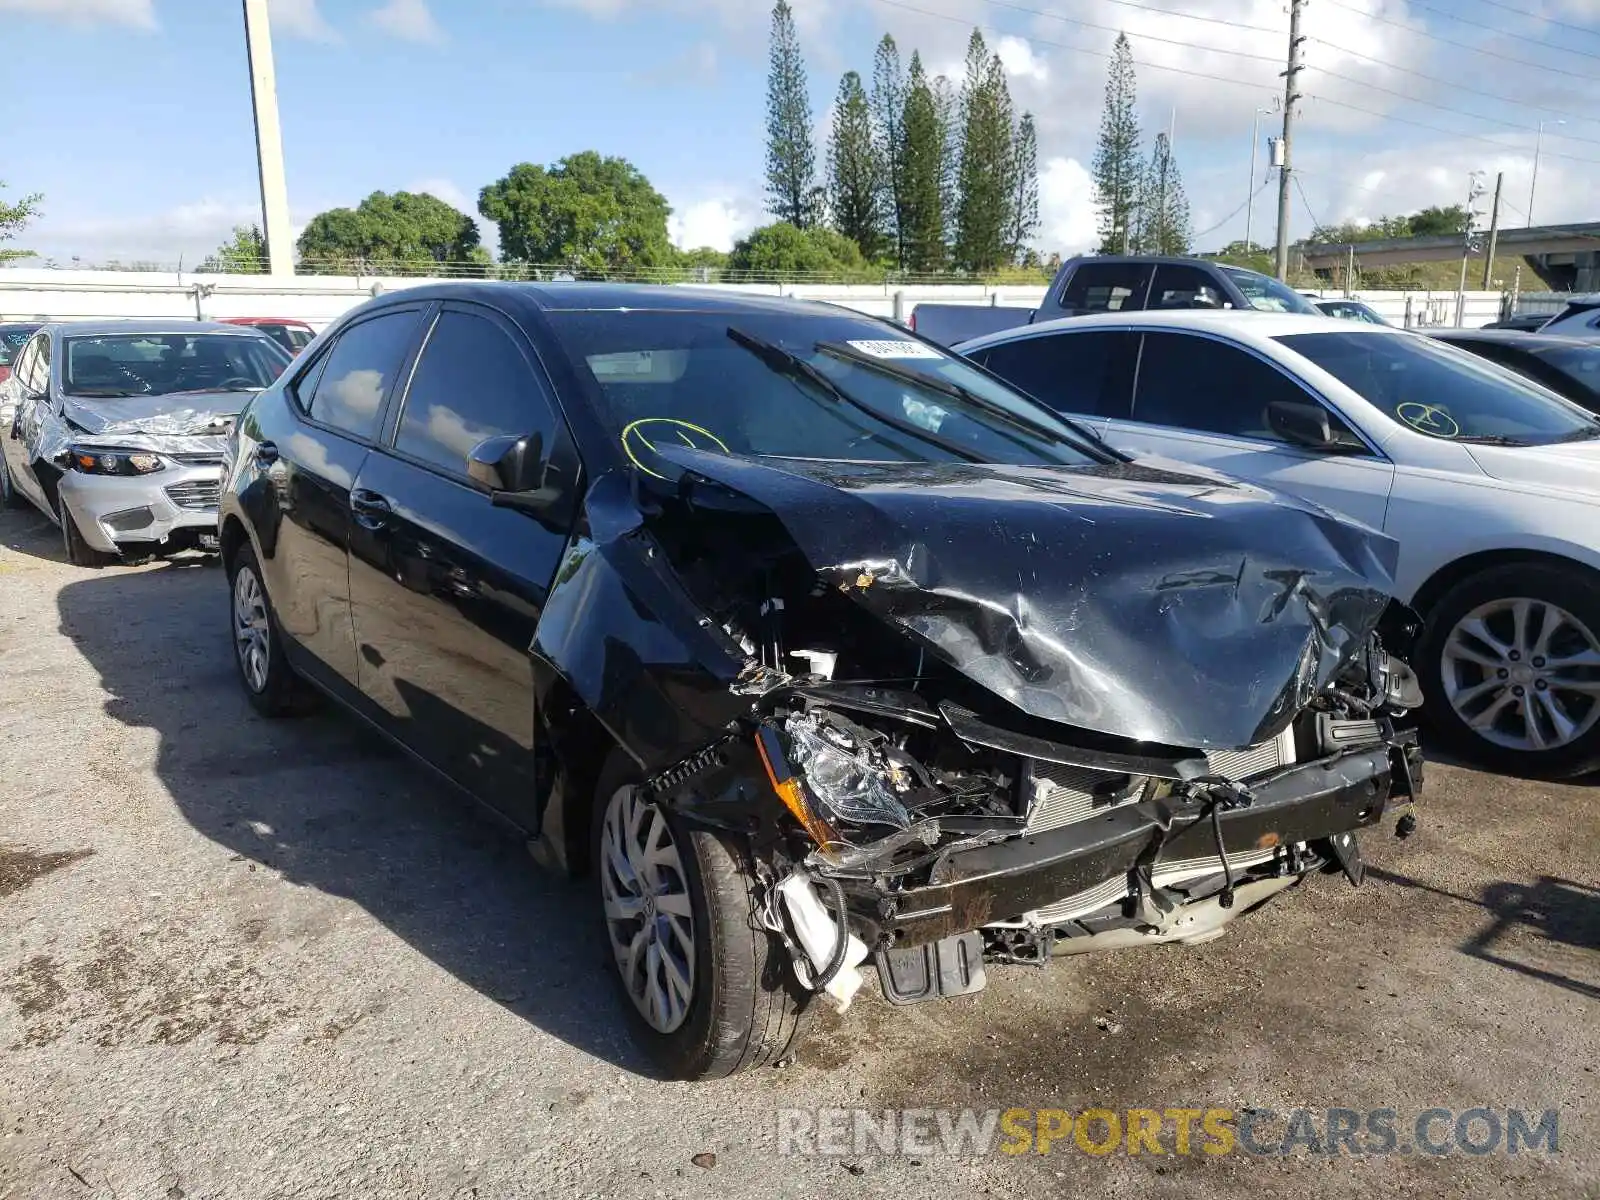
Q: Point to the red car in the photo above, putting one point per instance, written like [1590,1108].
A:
[293,336]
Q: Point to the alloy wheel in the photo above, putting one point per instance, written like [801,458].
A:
[251,632]
[647,909]
[1523,674]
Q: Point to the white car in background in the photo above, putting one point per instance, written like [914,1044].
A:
[1490,483]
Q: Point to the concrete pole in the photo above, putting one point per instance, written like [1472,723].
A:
[1290,96]
[269,140]
[1494,231]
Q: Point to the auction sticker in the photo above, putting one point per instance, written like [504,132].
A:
[895,349]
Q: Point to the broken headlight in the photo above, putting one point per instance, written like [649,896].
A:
[97,461]
[850,777]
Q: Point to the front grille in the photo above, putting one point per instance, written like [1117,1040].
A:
[1166,874]
[208,458]
[198,494]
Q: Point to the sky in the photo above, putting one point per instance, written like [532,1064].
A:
[133,117]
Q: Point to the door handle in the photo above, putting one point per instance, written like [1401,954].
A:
[372,510]
[266,454]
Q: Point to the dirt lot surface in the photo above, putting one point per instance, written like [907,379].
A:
[253,959]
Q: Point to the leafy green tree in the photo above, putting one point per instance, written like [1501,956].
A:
[403,233]
[855,172]
[244,253]
[792,193]
[1116,166]
[1024,213]
[985,187]
[1164,209]
[13,219]
[1438,222]
[782,250]
[889,135]
[583,212]
[923,230]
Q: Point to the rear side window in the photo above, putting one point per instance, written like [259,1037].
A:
[1179,286]
[359,371]
[1086,374]
[1198,383]
[1106,287]
[471,384]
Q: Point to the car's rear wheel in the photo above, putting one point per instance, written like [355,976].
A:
[269,681]
[79,552]
[1510,663]
[708,991]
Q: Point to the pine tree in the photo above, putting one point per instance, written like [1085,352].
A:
[947,104]
[924,225]
[1164,211]
[1116,160]
[1024,214]
[985,184]
[855,172]
[889,136]
[791,157]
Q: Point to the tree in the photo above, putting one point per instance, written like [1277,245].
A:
[403,233]
[1024,213]
[855,172]
[888,133]
[923,230]
[1164,209]
[244,253]
[1116,158]
[792,194]
[584,212]
[782,250]
[1438,222]
[13,219]
[985,189]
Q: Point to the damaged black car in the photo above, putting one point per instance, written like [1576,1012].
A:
[813,646]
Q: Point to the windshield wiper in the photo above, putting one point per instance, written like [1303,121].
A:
[792,365]
[1490,439]
[104,393]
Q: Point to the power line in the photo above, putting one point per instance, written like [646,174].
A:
[1149,37]
[1160,12]
[1233,214]
[1474,137]
[1299,187]
[1526,15]
[1521,37]
[1423,33]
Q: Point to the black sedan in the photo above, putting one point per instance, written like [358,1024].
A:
[1568,366]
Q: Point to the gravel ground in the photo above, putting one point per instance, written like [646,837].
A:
[242,958]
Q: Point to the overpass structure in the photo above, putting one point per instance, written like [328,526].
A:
[1566,257]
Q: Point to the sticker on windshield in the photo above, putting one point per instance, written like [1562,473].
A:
[1426,418]
[895,349]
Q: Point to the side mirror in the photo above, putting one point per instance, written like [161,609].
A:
[508,464]
[1305,425]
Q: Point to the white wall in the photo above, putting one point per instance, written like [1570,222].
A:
[320,299]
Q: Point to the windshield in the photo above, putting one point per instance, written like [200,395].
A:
[801,386]
[162,364]
[1444,392]
[1581,363]
[1267,294]
[12,340]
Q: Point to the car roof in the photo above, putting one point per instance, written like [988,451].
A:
[615,297]
[262,321]
[176,325]
[1515,337]
[20,324]
[1245,325]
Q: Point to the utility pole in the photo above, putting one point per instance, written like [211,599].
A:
[1290,96]
[1469,241]
[1494,232]
[269,139]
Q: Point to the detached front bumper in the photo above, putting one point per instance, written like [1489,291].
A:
[177,503]
[1103,857]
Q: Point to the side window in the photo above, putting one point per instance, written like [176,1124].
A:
[26,364]
[471,384]
[1106,287]
[1206,385]
[1179,286]
[357,373]
[1087,374]
[37,380]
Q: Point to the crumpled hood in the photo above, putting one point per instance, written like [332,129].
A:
[177,415]
[1568,466]
[1172,606]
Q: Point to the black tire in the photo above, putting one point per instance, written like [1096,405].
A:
[1573,589]
[282,693]
[748,1010]
[79,552]
[9,496]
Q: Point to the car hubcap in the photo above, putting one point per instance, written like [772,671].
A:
[648,915]
[1523,674]
[252,637]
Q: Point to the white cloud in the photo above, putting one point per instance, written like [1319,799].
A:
[1020,61]
[301,18]
[1066,207]
[408,20]
[134,14]
[446,190]
[716,222]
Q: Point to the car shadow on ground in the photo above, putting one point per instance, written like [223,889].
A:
[332,806]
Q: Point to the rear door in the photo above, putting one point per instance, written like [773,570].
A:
[446,588]
[1202,400]
[1085,374]
[31,387]
[335,414]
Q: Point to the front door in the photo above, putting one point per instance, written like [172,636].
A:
[446,588]
[1202,400]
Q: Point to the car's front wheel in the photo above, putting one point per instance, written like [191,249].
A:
[1510,663]
[708,991]
[9,496]
[269,681]
[79,552]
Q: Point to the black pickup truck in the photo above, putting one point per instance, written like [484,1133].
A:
[1116,283]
